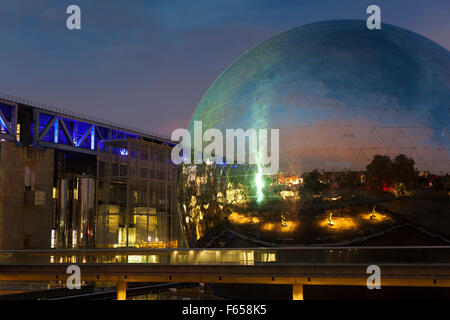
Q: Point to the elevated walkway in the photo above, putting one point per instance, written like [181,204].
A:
[400,266]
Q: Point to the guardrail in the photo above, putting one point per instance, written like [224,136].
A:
[241,256]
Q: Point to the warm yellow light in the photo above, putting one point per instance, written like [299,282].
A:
[285,194]
[338,223]
[374,217]
[18,132]
[285,227]
[283,221]
[290,226]
[268,226]
[330,221]
[374,214]
[235,195]
[242,219]
[290,180]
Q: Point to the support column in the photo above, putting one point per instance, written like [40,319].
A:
[121,290]
[35,136]
[297,292]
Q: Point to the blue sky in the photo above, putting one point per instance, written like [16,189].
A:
[148,63]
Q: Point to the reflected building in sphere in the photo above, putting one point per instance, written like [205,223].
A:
[340,94]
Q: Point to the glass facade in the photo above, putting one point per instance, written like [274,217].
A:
[136,195]
[74,215]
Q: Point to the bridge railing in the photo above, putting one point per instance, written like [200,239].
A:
[241,256]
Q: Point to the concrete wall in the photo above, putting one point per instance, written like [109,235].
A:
[20,219]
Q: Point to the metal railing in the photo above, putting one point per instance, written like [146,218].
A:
[243,256]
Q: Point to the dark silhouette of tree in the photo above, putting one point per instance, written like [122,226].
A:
[380,173]
[348,179]
[404,171]
[311,182]
[383,173]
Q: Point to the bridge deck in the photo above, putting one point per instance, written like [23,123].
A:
[400,266]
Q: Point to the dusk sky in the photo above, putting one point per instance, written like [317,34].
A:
[148,63]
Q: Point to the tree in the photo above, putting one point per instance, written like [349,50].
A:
[380,173]
[311,182]
[383,173]
[348,179]
[404,171]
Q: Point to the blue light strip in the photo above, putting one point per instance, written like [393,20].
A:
[55,136]
[75,138]
[93,138]
[3,125]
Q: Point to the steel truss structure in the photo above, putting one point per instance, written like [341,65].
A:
[61,129]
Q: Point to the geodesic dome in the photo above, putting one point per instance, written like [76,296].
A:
[340,94]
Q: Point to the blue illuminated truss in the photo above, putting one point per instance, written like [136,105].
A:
[75,134]
[55,128]
[8,120]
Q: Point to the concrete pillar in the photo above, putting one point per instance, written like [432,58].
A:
[121,290]
[297,292]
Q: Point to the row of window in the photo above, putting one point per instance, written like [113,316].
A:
[143,155]
[123,171]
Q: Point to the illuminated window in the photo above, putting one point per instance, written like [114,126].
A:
[53,239]
[74,238]
[247,257]
[18,132]
[182,258]
[268,257]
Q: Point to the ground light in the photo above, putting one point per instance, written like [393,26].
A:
[330,221]
[283,221]
[285,227]
[337,223]
[374,214]
[239,218]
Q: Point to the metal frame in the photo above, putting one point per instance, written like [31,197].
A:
[94,129]
[8,128]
